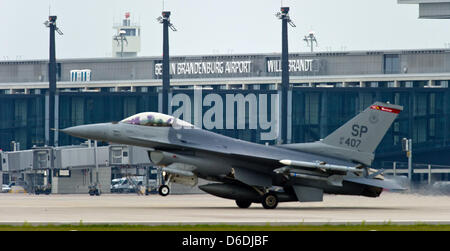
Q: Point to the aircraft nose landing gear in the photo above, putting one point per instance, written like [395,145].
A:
[164,190]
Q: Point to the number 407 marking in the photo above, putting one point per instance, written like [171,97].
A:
[353,142]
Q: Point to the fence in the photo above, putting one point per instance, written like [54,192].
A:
[431,171]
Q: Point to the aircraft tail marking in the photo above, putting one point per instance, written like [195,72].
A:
[365,131]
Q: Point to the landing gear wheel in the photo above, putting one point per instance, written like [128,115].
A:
[164,190]
[270,201]
[243,203]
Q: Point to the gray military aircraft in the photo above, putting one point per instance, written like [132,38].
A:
[253,173]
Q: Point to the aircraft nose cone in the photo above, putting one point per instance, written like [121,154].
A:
[95,131]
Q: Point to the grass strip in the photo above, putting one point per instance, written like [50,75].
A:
[267,227]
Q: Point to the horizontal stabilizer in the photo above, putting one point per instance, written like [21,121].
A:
[397,183]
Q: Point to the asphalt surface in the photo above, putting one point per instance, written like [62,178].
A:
[206,209]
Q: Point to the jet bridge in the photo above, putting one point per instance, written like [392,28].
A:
[57,169]
[72,169]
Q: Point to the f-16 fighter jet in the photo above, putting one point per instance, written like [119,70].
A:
[253,173]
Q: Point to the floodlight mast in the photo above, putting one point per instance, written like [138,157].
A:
[165,20]
[52,71]
[285,20]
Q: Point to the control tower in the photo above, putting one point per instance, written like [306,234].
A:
[127,41]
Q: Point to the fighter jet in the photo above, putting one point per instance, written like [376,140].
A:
[254,173]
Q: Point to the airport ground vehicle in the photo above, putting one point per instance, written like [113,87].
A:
[43,190]
[126,184]
[13,188]
[6,188]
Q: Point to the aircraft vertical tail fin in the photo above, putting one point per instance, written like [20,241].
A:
[364,132]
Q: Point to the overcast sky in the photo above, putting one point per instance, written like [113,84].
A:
[207,27]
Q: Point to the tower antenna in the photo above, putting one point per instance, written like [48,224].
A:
[310,39]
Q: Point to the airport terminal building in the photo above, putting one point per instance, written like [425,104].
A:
[238,96]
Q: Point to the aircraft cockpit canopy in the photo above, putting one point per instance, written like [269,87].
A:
[154,119]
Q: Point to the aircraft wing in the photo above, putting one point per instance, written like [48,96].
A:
[267,158]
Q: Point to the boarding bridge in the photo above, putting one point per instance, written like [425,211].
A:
[28,168]
[76,169]
[68,169]
[73,169]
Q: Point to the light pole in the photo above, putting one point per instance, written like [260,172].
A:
[285,20]
[407,147]
[165,20]
[52,71]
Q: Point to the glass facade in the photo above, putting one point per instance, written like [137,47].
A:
[391,63]
[425,118]
[88,108]
[22,119]
[245,114]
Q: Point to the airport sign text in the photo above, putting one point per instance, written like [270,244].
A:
[295,65]
[206,68]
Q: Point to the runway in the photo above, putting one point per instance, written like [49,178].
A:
[206,209]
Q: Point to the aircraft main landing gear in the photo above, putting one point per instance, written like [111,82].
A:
[270,201]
